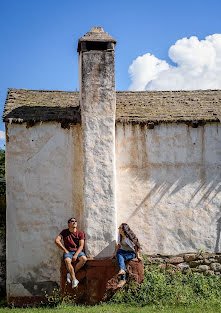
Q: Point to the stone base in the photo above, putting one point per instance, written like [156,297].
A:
[208,263]
[98,279]
[25,301]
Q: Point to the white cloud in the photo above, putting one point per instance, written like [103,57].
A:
[2,135]
[198,67]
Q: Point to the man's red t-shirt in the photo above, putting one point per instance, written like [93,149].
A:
[71,240]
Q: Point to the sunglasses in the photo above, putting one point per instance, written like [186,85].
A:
[72,221]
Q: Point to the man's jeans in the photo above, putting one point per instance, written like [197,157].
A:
[122,256]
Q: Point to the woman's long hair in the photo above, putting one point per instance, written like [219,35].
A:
[130,234]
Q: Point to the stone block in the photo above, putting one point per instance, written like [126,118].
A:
[156,261]
[210,273]
[183,265]
[190,257]
[165,267]
[206,261]
[205,255]
[175,260]
[203,268]
[216,267]
[196,263]
[98,279]
[218,274]
[211,255]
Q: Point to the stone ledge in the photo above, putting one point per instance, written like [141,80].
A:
[98,279]
[208,263]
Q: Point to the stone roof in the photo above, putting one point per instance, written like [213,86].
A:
[169,106]
[138,107]
[40,106]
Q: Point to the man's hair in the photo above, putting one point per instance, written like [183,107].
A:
[72,218]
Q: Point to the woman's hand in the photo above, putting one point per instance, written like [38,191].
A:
[139,258]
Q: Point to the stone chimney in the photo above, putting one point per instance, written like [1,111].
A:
[98,106]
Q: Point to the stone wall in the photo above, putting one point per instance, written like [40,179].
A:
[169,186]
[207,263]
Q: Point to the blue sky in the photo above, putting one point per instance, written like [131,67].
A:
[38,38]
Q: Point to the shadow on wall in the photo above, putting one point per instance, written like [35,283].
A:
[192,192]
[109,250]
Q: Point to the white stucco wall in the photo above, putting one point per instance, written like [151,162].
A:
[98,106]
[168,190]
[44,189]
[169,186]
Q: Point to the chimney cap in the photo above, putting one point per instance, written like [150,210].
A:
[96,34]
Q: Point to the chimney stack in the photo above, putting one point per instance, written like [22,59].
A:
[98,106]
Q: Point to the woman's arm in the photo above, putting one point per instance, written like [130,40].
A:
[116,248]
[137,253]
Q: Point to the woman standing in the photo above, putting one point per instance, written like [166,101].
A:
[128,248]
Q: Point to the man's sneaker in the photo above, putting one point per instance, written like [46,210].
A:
[75,282]
[69,278]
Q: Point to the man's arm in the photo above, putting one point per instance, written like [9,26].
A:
[80,248]
[59,244]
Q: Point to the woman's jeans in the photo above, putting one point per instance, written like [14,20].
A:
[122,256]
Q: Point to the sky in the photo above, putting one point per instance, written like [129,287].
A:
[161,45]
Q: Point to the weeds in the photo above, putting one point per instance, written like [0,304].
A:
[57,298]
[170,288]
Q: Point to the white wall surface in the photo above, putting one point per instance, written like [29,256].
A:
[98,106]
[44,189]
[169,186]
[168,190]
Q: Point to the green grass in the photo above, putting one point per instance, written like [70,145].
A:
[208,307]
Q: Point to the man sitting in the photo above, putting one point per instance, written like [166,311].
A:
[73,240]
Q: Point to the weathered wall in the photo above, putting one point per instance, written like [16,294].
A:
[98,105]
[168,191]
[168,186]
[44,188]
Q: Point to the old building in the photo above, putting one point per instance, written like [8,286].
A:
[151,159]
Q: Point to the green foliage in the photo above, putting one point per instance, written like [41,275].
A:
[169,288]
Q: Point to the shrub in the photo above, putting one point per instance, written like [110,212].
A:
[169,288]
